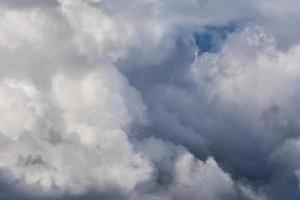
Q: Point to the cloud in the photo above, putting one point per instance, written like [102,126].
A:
[41,150]
[149,99]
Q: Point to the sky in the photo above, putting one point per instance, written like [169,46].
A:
[149,100]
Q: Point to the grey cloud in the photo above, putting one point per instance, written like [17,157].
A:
[19,4]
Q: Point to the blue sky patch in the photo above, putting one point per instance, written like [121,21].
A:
[213,37]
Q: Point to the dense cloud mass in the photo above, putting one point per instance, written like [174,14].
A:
[149,99]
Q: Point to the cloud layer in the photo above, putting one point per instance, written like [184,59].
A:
[151,100]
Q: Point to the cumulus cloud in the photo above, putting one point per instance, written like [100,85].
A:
[52,145]
[151,100]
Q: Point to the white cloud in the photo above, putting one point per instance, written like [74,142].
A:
[73,137]
[250,72]
[195,179]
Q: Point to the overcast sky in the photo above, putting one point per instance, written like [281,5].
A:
[149,99]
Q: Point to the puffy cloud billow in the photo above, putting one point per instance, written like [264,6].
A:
[149,99]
